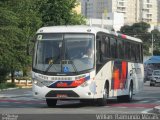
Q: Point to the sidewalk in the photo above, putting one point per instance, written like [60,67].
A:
[156,109]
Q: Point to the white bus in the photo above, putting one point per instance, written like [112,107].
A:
[86,63]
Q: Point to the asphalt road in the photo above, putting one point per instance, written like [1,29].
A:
[21,101]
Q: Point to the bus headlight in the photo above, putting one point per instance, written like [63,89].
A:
[37,82]
[85,83]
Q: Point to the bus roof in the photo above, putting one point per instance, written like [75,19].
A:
[82,29]
[71,29]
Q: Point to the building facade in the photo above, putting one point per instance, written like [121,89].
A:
[159,13]
[127,7]
[149,11]
[93,8]
[114,21]
[133,10]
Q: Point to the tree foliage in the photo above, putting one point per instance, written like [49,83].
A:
[19,21]
[140,30]
[156,41]
[60,12]
[10,56]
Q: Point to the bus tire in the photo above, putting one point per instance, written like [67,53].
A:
[103,101]
[130,95]
[51,102]
[126,98]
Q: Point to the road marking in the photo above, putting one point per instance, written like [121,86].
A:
[143,101]
[6,105]
[122,107]
[128,105]
[146,111]
[17,102]
[139,107]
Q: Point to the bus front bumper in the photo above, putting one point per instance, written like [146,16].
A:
[63,93]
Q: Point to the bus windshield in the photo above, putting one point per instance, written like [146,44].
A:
[64,53]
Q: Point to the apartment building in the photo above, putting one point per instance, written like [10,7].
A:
[149,11]
[159,12]
[93,8]
[127,7]
[133,10]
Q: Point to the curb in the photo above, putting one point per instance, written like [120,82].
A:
[156,109]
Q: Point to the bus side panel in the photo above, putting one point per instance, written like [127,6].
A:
[137,76]
[119,74]
[116,72]
[120,79]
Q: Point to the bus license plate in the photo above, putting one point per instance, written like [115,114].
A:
[61,95]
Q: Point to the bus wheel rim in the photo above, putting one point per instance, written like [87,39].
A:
[105,93]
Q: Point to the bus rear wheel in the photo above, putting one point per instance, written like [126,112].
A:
[102,101]
[126,98]
[51,102]
[130,95]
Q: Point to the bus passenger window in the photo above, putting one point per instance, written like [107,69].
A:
[133,52]
[107,47]
[113,47]
[127,50]
[120,48]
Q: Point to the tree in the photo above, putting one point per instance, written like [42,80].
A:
[20,20]
[9,40]
[60,12]
[156,41]
[28,12]
[139,30]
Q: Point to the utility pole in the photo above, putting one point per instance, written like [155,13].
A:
[104,14]
[102,24]
[152,44]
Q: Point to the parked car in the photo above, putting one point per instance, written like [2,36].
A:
[155,78]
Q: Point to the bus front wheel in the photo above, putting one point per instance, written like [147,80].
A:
[102,101]
[51,102]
